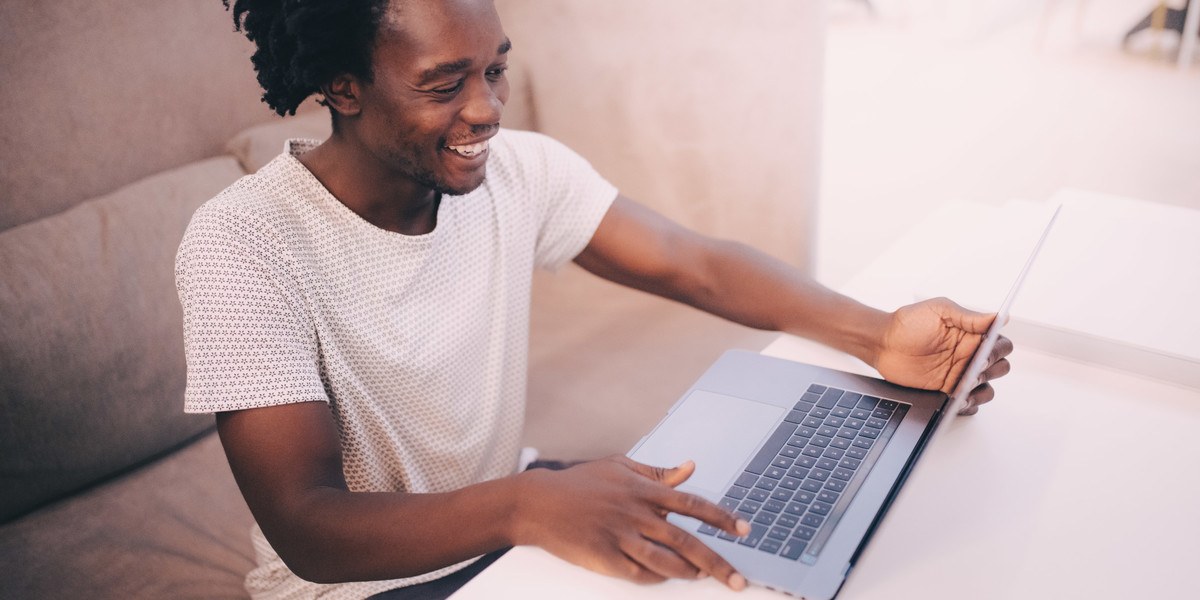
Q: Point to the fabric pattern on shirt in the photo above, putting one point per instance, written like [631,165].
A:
[419,344]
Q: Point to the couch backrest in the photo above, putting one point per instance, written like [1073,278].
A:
[100,93]
[91,341]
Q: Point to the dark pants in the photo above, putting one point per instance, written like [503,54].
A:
[438,589]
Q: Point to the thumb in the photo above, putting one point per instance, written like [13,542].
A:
[967,320]
[668,476]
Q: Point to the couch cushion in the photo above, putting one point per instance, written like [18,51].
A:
[91,349]
[177,528]
[258,145]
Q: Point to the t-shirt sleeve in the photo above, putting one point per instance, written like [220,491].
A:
[572,199]
[247,339]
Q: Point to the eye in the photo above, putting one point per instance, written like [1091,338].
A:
[496,73]
[449,90]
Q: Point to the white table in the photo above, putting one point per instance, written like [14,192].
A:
[1077,482]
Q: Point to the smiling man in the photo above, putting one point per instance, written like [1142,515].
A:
[356,316]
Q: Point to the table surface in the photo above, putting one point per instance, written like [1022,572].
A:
[1078,481]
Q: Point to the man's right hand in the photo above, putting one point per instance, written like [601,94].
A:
[610,516]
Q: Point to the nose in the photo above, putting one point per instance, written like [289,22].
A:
[485,103]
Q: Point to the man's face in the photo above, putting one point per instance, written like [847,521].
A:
[437,93]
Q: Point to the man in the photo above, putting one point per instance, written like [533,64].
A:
[356,316]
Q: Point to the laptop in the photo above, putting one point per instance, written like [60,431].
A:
[811,457]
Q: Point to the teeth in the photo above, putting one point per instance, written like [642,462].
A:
[470,150]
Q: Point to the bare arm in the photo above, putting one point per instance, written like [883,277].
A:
[604,515]
[925,345]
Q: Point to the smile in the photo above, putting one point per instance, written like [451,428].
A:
[470,150]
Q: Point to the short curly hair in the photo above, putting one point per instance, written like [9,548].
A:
[304,44]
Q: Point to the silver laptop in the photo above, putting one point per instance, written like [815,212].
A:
[812,457]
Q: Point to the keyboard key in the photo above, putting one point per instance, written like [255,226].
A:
[727,536]
[850,463]
[834,422]
[794,416]
[764,518]
[820,508]
[793,549]
[811,485]
[798,472]
[864,443]
[749,506]
[707,529]
[746,479]
[792,482]
[805,496]
[819,412]
[796,508]
[729,504]
[782,462]
[807,462]
[868,402]
[737,491]
[861,414]
[849,399]
[847,433]
[827,431]
[887,404]
[843,474]
[836,485]
[787,520]
[827,464]
[770,546]
[773,506]
[840,412]
[810,398]
[804,533]
[812,520]
[829,398]
[744,515]
[867,432]
[812,422]
[819,441]
[758,495]
[805,432]
[816,388]
[834,453]
[840,443]
[827,496]
[798,442]
[881,413]
[766,483]
[876,423]
[790,451]
[803,406]
[781,494]
[777,532]
[755,536]
[819,475]
[774,473]
[857,453]
[812,450]
[854,423]
[770,449]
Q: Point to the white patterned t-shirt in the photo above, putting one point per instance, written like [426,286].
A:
[418,344]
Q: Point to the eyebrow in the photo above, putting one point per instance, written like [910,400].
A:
[452,67]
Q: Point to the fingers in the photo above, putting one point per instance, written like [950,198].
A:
[686,548]
[692,505]
[980,395]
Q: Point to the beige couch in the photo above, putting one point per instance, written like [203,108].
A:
[706,110]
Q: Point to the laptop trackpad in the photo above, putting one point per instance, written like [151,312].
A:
[719,432]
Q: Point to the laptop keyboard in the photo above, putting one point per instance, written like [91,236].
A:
[795,490]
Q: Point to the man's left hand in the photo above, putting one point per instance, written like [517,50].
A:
[928,345]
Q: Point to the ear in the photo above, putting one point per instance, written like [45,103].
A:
[341,95]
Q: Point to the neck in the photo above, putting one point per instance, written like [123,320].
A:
[379,195]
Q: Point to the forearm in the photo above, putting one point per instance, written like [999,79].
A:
[744,285]
[331,535]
